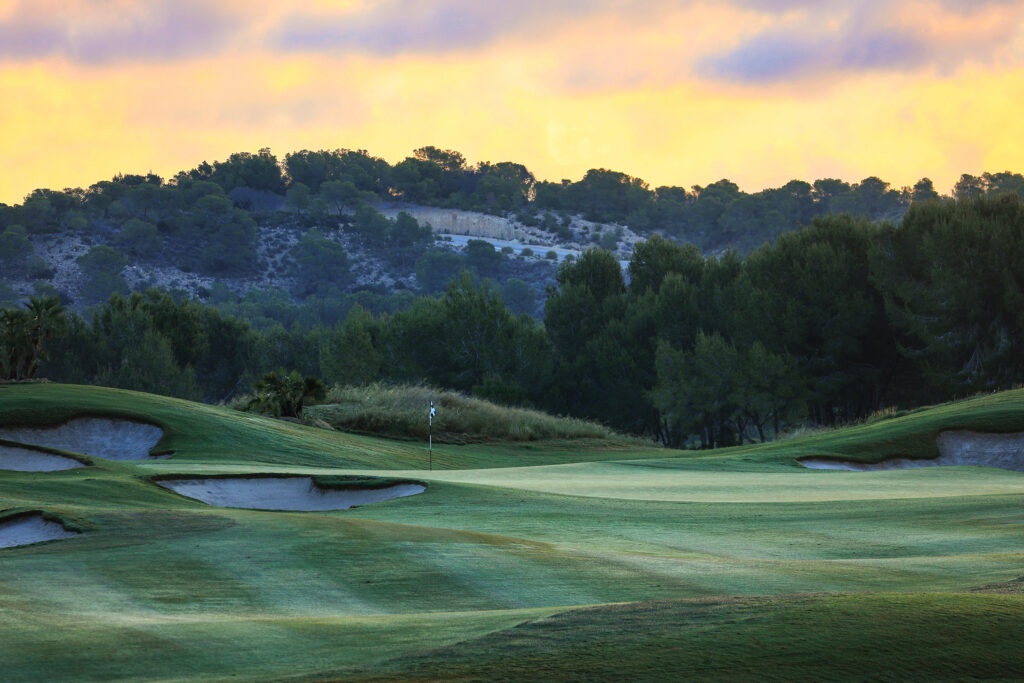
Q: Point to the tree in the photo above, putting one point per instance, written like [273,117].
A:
[15,248]
[968,187]
[696,390]
[225,236]
[371,224]
[655,258]
[483,257]
[519,296]
[259,171]
[339,194]
[607,196]
[435,268]
[924,190]
[503,186]
[953,279]
[811,295]
[102,266]
[320,264]
[24,333]
[298,197]
[148,364]
[348,353]
[285,394]
[139,238]
[406,231]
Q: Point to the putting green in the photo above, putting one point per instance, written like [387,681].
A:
[641,481]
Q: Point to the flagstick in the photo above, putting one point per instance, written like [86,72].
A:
[430,437]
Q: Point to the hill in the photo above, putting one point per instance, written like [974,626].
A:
[227,228]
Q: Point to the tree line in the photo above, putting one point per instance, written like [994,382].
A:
[826,325]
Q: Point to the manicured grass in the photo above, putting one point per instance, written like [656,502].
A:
[513,572]
[847,637]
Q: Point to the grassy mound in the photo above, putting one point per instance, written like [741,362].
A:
[401,412]
[910,434]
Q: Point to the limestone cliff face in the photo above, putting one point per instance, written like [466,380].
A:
[456,222]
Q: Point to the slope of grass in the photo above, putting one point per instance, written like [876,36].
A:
[909,435]
[516,567]
[212,434]
[848,637]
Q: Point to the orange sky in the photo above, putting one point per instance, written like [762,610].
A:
[674,92]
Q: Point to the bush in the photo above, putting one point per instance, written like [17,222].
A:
[39,268]
[551,256]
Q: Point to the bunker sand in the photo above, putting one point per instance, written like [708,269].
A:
[1005,451]
[27,460]
[110,438]
[28,529]
[283,493]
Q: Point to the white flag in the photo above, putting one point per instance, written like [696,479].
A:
[432,411]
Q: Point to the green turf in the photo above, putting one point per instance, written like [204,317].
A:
[849,637]
[659,561]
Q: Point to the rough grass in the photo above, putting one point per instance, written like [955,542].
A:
[401,412]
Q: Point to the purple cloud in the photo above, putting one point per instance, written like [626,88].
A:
[785,55]
[408,26]
[160,30]
[862,42]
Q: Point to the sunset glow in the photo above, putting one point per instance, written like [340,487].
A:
[677,93]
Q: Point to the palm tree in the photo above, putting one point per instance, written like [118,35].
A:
[23,334]
[283,395]
[47,320]
[13,342]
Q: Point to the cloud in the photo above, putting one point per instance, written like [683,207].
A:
[100,33]
[439,26]
[873,37]
[783,55]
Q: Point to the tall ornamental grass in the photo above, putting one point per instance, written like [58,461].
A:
[401,412]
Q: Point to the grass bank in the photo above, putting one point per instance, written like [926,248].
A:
[400,412]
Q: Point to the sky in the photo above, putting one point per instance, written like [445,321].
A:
[672,91]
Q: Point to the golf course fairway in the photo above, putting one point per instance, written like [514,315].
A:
[539,561]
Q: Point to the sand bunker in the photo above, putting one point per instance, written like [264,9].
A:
[26,529]
[26,460]
[282,493]
[1005,451]
[114,439]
